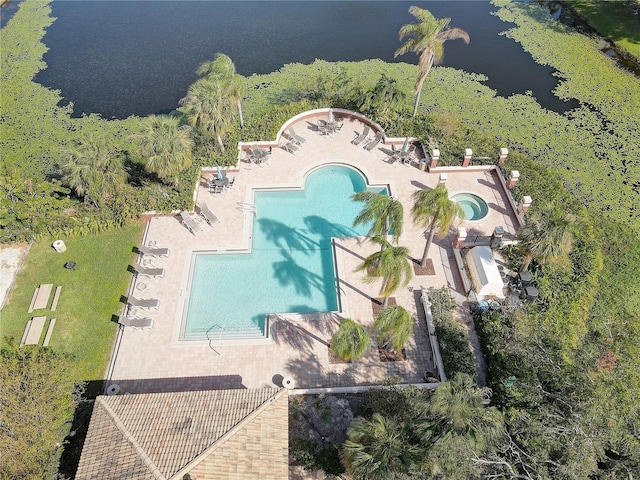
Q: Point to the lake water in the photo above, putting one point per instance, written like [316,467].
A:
[119,58]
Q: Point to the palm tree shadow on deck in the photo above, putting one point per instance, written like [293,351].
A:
[294,333]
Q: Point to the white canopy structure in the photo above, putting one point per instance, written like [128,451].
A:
[485,276]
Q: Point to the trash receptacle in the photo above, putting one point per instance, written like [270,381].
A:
[423,164]
[59,246]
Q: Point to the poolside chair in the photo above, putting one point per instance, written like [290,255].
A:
[295,137]
[138,323]
[373,143]
[208,215]
[148,271]
[361,137]
[148,303]
[188,222]
[154,251]
[289,147]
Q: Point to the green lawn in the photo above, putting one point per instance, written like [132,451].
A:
[89,301]
[614,21]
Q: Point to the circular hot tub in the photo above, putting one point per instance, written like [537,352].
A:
[475,208]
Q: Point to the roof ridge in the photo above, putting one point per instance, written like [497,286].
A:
[228,434]
[153,468]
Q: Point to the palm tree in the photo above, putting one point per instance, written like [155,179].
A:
[350,341]
[209,108]
[457,407]
[223,69]
[93,168]
[546,235]
[391,264]
[166,145]
[394,326]
[427,39]
[433,210]
[378,449]
[382,211]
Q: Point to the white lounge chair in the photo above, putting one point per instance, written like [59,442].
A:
[289,147]
[295,137]
[204,211]
[154,251]
[373,143]
[362,136]
[188,222]
[148,272]
[148,303]
[139,323]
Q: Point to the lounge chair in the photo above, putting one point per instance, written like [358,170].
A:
[148,271]
[149,303]
[188,222]
[362,136]
[208,215]
[373,143]
[296,138]
[136,322]
[153,251]
[289,147]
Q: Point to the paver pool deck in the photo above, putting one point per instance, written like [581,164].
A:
[155,360]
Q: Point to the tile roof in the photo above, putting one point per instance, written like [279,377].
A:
[209,434]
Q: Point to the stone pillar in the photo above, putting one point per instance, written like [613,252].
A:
[435,156]
[503,155]
[466,159]
[442,179]
[496,238]
[461,237]
[514,176]
[524,205]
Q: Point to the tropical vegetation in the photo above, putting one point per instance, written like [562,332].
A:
[381,211]
[390,263]
[394,326]
[571,404]
[350,341]
[434,210]
[427,39]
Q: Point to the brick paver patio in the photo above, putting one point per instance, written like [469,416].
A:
[156,360]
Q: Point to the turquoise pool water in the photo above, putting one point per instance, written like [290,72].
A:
[475,208]
[290,268]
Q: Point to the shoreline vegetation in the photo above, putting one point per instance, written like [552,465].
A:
[575,353]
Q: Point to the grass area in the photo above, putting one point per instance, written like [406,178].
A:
[90,297]
[613,20]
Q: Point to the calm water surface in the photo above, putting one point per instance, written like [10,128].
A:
[119,58]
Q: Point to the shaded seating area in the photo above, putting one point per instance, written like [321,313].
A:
[203,210]
[137,323]
[146,303]
[148,271]
[189,222]
[404,156]
[153,251]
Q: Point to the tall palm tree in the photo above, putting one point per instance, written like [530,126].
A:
[394,326]
[427,39]
[350,341]
[382,211]
[546,235]
[457,407]
[208,108]
[94,168]
[378,449]
[391,264]
[223,69]
[433,210]
[166,145]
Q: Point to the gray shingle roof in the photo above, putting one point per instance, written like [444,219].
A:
[158,435]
